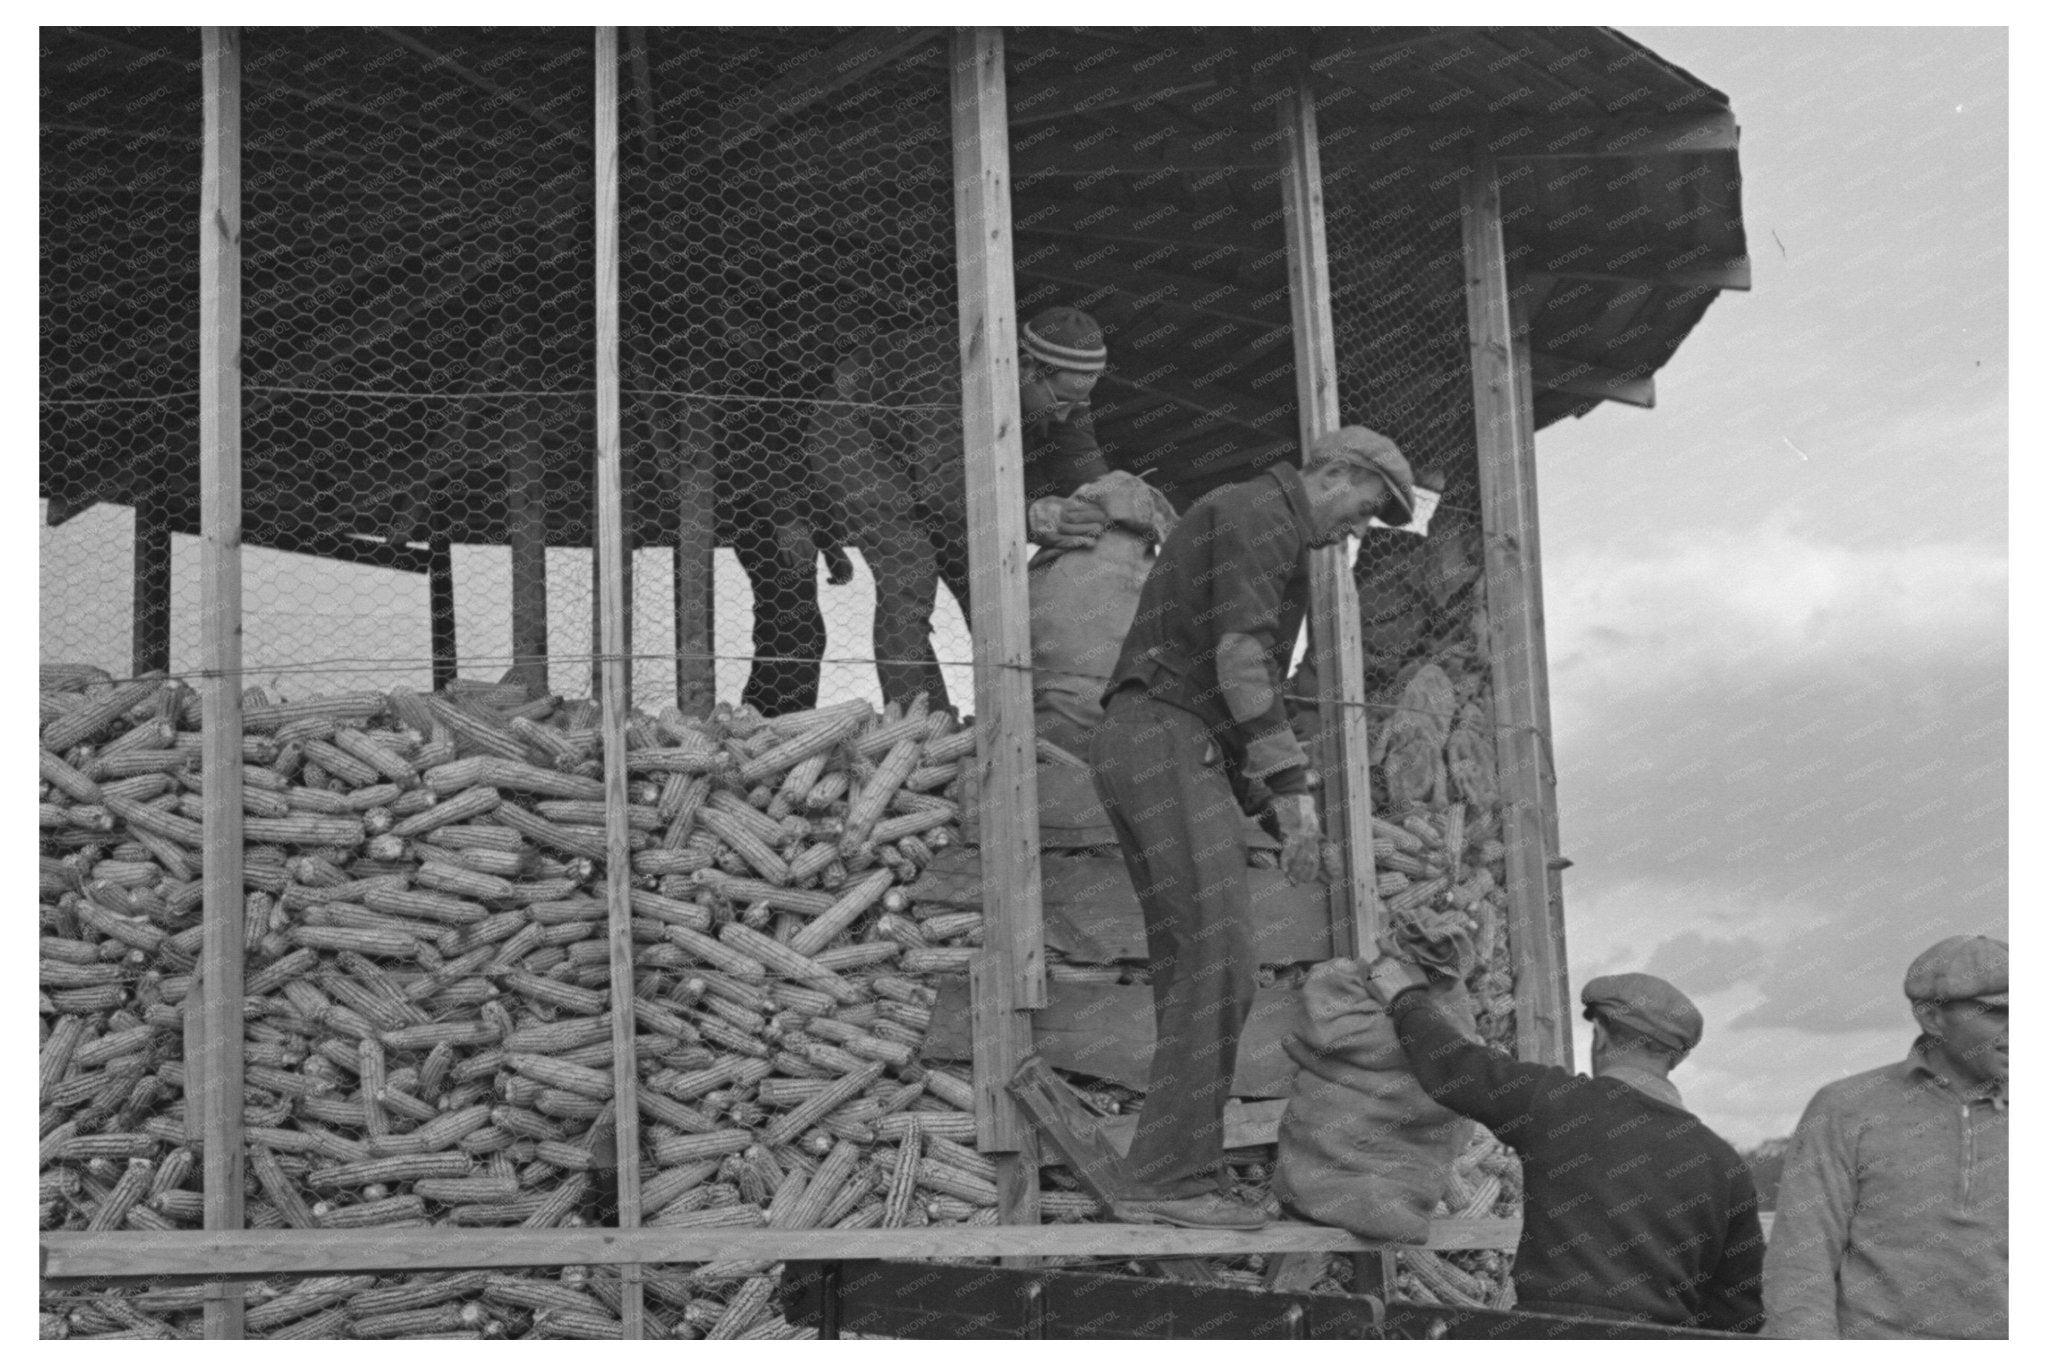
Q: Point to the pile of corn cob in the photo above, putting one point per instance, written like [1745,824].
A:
[1453,861]
[428,993]
[429,1028]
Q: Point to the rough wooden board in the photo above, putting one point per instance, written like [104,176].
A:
[1246,1124]
[1107,1032]
[1076,1134]
[273,1252]
[1092,915]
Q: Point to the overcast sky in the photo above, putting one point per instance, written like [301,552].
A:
[1777,601]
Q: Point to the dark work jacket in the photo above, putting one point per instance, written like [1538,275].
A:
[1632,1208]
[1236,563]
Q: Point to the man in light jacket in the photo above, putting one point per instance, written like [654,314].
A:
[1892,1211]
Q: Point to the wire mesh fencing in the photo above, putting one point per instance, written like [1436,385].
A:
[1397,294]
[425,818]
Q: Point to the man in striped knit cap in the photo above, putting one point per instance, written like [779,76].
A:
[887,451]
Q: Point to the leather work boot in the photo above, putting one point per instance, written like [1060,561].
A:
[1208,1210]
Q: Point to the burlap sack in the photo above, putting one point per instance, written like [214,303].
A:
[1362,1146]
[1082,602]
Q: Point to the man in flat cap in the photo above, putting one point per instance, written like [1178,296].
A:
[1632,1208]
[1891,1215]
[1195,733]
[887,452]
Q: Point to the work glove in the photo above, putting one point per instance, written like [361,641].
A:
[1065,523]
[1304,857]
[1389,976]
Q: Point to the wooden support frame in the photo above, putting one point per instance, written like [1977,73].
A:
[687,465]
[441,608]
[1344,744]
[219,1100]
[1009,975]
[615,665]
[1591,380]
[525,468]
[150,637]
[265,1252]
[1503,420]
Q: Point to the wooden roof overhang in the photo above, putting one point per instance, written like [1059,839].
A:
[1145,170]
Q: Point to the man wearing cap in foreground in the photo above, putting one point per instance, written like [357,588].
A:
[1631,1208]
[1891,1217]
[1194,734]
[887,451]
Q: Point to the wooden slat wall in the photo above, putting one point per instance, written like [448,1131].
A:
[220,573]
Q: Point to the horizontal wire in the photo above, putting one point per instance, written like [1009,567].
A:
[408,664]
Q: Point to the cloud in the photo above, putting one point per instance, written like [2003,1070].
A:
[1742,610]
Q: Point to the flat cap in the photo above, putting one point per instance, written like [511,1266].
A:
[1649,1005]
[1377,453]
[1963,967]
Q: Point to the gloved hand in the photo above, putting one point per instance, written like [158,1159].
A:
[1294,821]
[1389,976]
[1065,523]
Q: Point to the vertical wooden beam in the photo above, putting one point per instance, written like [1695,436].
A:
[1522,310]
[526,517]
[623,589]
[683,445]
[1343,746]
[614,663]
[1514,606]
[151,635]
[1012,975]
[441,608]
[220,583]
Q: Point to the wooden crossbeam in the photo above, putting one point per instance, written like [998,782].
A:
[1731,273]
[1379,141]
[265,1253]
[1591,380]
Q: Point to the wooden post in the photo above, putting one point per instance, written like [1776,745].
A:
[682,445]
[526,517]
[441,608]
[1010,980]
[151,636]
[1546,758]
[624,590]
[1514,606]
[1343,748]
[614,665]
[220,582]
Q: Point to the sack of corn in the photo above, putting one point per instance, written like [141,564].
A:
[1362,1146]
[1082,602]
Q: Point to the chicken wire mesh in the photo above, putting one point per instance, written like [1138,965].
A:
[789,355]
[118,292]
[418,335]
[1397,295]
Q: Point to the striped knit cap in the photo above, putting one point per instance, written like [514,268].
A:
[1065,339]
